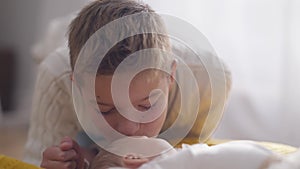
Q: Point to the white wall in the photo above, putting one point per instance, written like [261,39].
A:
[259,40]
[19,24]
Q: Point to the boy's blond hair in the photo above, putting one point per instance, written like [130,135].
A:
[101,12]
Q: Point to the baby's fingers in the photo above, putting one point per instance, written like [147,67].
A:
[55,154]
[66,144]
[67,155]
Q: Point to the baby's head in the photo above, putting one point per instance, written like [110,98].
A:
[132,152]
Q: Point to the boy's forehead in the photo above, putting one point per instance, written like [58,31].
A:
[149,75]
[140,86]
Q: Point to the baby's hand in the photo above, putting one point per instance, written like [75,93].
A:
[68,155]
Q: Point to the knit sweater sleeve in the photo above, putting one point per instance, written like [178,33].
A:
[53,115]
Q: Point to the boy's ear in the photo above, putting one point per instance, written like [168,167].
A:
[72,76]
[173,72]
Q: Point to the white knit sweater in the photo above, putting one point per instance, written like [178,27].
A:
[52,116]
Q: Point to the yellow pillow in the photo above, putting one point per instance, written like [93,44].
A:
[11,163]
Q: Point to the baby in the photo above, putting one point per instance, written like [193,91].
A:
[132,152]
[156,153]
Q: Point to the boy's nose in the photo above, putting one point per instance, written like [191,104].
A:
[127,127]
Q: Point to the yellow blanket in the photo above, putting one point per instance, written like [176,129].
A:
[11,163]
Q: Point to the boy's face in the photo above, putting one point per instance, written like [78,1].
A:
[139,92]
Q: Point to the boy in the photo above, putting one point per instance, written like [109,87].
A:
[54,101]
[90,19]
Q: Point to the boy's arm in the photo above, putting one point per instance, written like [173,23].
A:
[52,115]
[67,155]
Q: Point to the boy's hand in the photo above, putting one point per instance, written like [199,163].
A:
[68,155]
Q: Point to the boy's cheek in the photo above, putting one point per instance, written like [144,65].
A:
[111,120]
[154,128]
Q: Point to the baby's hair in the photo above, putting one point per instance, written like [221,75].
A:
[105,160]
[101,12]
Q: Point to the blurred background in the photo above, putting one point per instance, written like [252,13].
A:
[258,39]
[23,25]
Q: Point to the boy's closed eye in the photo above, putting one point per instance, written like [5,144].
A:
[141,107]
[107,112]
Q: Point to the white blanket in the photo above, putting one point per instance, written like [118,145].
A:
[232,155]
